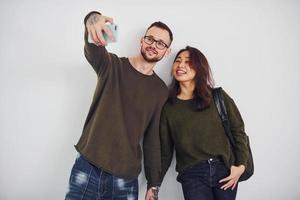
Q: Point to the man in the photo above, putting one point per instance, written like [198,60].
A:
[126,108]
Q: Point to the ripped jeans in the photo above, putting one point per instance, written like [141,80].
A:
[88,182]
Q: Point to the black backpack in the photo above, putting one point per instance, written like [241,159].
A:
[220,104]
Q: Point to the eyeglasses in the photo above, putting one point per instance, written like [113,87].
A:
[158,43]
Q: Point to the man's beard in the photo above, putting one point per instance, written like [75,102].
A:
[150,60]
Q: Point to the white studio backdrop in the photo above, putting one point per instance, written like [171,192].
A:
[47,85]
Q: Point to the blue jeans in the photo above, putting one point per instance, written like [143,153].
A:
[88,182]
[201,181]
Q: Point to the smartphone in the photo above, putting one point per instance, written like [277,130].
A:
[113,28]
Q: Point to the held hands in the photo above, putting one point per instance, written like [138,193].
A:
[96,25]
[233,178]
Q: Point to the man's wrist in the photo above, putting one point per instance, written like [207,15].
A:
[151,185]
[155,188]
[155,191]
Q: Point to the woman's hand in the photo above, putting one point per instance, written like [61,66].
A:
[233,178]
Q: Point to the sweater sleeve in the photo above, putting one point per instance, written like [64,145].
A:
[238,130]
[167,144]
[151,150]
[97,56]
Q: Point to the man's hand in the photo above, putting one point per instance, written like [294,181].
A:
[96,24]
[233,178]
[149,195]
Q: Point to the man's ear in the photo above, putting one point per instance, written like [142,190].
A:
[168,52]
[141,41]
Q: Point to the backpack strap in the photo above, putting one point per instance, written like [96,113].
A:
[220,104]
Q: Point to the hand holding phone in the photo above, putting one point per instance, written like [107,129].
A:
[114,30]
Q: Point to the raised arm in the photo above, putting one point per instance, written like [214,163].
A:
[96,53]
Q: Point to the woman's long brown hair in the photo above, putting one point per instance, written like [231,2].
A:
[204,83]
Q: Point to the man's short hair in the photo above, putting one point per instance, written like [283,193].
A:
[163,26]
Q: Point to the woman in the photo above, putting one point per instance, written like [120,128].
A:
[190,123]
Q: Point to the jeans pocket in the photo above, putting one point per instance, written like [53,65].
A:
[222,171]
[82,164]
[79,178]
[78,156]
[81,172]
[78,184]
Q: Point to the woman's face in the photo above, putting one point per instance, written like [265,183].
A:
[182,70]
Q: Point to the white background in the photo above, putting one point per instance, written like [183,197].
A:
[46,85]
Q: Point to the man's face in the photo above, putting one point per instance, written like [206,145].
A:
[159,48]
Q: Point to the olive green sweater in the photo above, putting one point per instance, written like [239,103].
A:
[199,135]
[126,109]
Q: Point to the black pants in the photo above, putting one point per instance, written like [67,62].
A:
[201,181]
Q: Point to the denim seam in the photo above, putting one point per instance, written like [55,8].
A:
[99,184]
[210,173]
[113,185]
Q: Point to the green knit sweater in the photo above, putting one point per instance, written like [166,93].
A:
[125,110]
[199,135]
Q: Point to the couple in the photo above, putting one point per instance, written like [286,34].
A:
[131,103]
